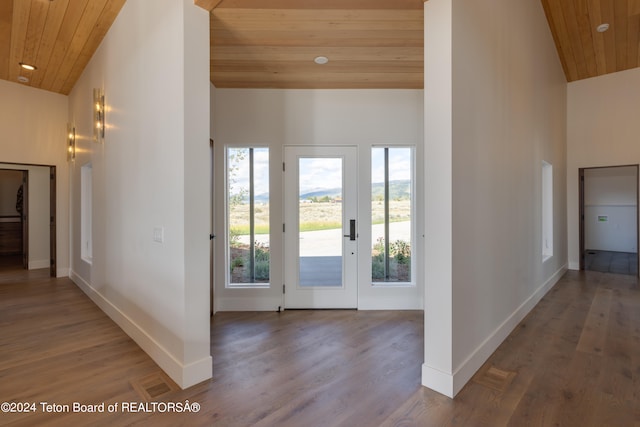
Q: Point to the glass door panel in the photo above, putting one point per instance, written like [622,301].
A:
[320,227]
[320,221]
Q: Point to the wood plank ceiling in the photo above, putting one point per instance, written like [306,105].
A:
[369,43]
[272,43]
[58,37]
[585,52]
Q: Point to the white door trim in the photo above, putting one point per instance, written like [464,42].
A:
[312,295]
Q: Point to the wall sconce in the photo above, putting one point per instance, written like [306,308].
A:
[98,115]
[71,142]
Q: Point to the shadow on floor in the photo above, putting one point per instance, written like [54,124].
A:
[10,262]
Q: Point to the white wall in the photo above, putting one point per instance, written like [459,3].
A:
[611,192]
[39,207]
[33,124]
[152,171]
[495,103]
[602,130]
[312,117]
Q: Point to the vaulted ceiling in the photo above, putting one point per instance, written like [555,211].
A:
[273,43]
[585,52]
[57,37]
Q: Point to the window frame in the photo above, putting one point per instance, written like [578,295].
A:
[227,240]
[86,213]
[546,207]
[413,177]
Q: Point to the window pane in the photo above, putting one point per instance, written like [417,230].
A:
[248,210]
[320,221]
[391,198]
[86,213]
[547,210]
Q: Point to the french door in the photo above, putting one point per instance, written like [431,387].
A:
[320,231]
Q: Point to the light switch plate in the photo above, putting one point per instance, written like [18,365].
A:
[158,234]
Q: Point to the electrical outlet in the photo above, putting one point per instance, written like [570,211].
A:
[158,234]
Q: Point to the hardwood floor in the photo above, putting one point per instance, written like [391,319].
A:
[574,361]
[9,263]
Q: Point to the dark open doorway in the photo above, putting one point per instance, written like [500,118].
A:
[14,238]
[35,221]
[609,234]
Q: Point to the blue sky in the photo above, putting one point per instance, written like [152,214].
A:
[318,173]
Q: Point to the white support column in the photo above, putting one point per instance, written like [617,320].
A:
[197,364]
[437,370]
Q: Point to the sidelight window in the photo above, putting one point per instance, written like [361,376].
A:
[547,211]
[86,213]
[248,260]
[391,214]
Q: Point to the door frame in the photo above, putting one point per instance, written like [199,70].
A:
[53,220]
[581,208]
[348,275]
[53,243]
[212,222]
[25,219]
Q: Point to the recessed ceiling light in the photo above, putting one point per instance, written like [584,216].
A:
[602,27]
[321,60]
[23,79]
[28,66]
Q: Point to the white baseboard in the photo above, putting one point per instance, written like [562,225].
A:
[39,263]
[62,272]
[196,372]
[437,381]
[380,304]
[574,265]
[450,385]
[184,375]
[248,304]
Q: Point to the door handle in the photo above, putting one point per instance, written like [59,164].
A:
[352,230]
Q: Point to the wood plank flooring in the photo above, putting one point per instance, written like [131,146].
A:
[574,361]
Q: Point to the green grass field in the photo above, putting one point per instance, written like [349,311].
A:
[314,216]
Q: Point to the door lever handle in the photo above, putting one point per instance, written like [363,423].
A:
[352,230]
